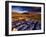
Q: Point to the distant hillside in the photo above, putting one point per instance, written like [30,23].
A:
[19,16]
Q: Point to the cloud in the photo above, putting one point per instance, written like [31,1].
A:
[19,11]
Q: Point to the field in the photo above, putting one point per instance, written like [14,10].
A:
[22,20]
[29,16]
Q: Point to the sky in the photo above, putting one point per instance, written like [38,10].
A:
[25,9]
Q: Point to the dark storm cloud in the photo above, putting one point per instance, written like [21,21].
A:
[26,9]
